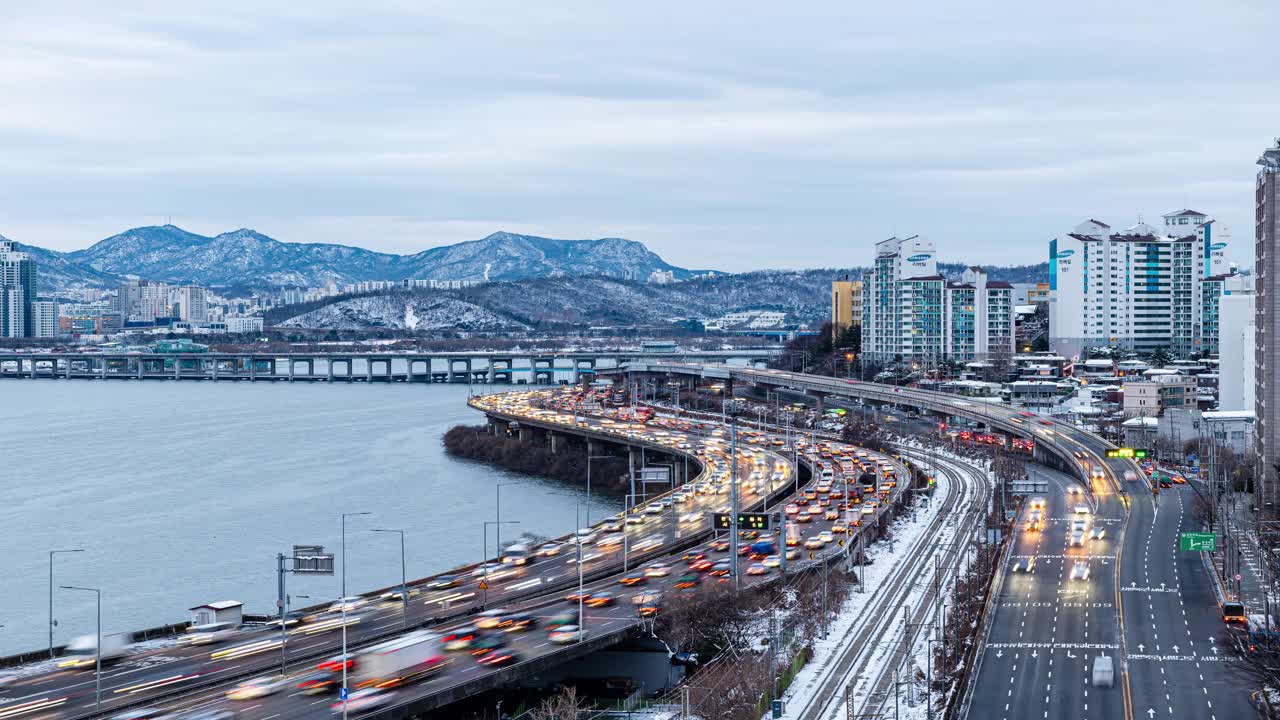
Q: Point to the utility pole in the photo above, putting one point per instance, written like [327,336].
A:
[733,497]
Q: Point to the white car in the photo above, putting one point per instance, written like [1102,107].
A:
[1098,533]
[1082,509]
[771,561]
[566,634]
[1024,564]
[657,570]
[352,603]
[635,519]
[257,688]
[1077,538]
[1080,570]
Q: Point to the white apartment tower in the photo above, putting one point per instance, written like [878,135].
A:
[912,314]
[1139,289]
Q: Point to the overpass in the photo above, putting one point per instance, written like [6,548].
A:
[498,367]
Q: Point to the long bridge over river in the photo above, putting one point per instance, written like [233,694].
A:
[504,367]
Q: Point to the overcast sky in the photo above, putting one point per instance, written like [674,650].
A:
[728,135]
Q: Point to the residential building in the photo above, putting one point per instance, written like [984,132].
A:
[979,319]
[911,314]
[1139,289]
[1213,290]
[241,324]
[44,315]
[1030,293]
[1156,393]
[846,306]
[1236,362]
[1233,429]
[17,291]
[1266,327]
[188,304]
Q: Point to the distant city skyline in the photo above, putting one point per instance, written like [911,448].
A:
[751,138]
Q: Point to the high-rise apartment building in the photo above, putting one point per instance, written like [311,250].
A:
[1266,329]
[189,304]
[846,306]
[17,291]
[45,319]
[912,314]
[1139,289]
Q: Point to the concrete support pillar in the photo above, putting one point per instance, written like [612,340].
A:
[368,370]
[525,434]
[253,368]
[329,366]
[631,470]
[556,440]
[67,370]
[102,369]
[820,399]
[142,367]
[291,362]
[177,368]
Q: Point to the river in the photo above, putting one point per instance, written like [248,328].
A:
[183,493]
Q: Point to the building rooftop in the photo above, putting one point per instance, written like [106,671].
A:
[1222,415]
[1184,213]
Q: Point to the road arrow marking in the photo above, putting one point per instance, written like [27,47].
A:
[1141,647]
[1151,713]
[1175,648]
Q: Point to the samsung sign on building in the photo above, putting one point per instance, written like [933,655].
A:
[1065,254]
[919,258]
[1218,246]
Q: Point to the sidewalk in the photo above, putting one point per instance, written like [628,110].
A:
[1239,524]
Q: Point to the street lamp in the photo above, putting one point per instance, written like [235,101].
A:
[404,584]
[343,601]
[485,555]
[97,651]
[344,547]
[497,489]
[53,622]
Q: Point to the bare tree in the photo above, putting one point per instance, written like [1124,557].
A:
[564,705]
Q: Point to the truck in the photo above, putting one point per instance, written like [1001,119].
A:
[82,652]
[403,660]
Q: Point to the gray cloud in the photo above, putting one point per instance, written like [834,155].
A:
[731,135]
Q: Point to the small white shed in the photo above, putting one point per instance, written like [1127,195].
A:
[231,611]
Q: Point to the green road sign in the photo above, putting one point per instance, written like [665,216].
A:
[1200,542]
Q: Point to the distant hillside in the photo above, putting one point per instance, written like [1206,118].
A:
[249,258]
[563,302]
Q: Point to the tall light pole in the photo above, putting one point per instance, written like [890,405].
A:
[52,622]
[344,547]
[343,602]
[577,541]
[404,583]
[497,489]
[485,552]
[97,651]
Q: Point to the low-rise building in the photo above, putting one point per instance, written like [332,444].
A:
[1154,394]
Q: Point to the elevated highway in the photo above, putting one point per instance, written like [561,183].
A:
[186,679]
[1147,604]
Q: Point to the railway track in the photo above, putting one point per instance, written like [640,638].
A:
[849,670]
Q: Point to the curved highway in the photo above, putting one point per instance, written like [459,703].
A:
[1149,605]
[188,680]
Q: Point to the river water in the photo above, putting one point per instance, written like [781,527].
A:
[183,493]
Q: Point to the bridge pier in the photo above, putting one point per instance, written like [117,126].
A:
[556,440]
[819,399]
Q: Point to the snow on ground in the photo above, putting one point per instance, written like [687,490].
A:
[907,531]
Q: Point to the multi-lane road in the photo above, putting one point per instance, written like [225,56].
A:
[194,679]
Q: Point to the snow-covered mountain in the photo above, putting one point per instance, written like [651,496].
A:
[54,270]
[248,258]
